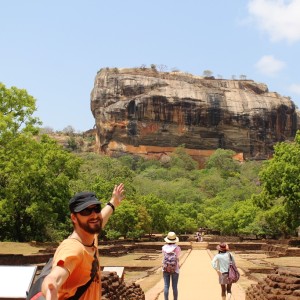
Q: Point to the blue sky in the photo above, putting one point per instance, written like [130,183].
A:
[53,49]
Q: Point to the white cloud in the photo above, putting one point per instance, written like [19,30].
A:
[269,65]
[279,18]
[295,88]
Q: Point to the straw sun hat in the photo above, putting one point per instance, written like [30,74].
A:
[171,238]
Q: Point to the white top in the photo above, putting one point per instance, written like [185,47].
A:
[221,262]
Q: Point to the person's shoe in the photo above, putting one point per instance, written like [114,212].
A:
[223,297]
[228,296]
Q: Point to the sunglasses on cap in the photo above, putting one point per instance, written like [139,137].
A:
[87,211]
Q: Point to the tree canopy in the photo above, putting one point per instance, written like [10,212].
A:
[16,111]
[34,174]
[38,177]
[280,179]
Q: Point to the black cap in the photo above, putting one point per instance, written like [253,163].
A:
[82,200]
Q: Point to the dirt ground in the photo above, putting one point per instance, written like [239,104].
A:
[19,248]
[254,265]
[144,268]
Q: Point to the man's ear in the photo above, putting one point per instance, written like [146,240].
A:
[73,218]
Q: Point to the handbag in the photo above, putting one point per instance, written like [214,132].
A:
[233,273]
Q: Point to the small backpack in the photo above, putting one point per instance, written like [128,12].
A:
[35,292]
[170,262]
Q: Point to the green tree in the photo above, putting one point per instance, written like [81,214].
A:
[157,210]
[244,214]
[175,222]
[153,67]
[125,219]
[189,210]
[201,220]
[211,183]
[223,221]
[34,193]
[100,173]
[271,223]
[69,130]
[207,73]
[144,220]
[16,110]
[72,144]
[280,178]
[179,223]
[34,173]
[179,158]
[222,160]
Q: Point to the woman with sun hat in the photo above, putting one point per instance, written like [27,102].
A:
[171,249]
[220,263]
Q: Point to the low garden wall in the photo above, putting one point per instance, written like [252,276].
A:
[19,259]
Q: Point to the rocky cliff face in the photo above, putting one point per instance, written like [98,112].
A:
[148,112]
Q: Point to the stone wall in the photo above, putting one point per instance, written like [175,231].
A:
[275,250]
[116,250]
[238,246]
[20,259]
[283,285]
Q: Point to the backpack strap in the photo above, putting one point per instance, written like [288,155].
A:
[174,250]
[82,289]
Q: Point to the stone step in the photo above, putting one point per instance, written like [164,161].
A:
[199,245]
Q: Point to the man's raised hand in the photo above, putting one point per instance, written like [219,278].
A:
[118,194]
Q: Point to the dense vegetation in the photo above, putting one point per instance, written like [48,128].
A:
[38,177]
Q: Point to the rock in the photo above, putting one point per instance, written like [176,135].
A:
[150,113]
[114,288]
[283,285]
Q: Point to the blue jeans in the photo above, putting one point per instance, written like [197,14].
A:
[167,278]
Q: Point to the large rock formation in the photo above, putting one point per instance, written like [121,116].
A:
[147,112]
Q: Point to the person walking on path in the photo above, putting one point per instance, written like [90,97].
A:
[220,263]
[75,263]
[171,252]
[202,236]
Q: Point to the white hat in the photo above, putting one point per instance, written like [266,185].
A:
[171,238]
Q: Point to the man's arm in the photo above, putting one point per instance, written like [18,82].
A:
[53,282]
[117,197]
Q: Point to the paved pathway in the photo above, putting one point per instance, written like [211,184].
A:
[197,279]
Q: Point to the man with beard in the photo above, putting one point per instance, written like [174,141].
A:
[75,270]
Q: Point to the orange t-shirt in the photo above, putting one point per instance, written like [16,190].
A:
[82,262]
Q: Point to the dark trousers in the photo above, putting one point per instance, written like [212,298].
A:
[167,279]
